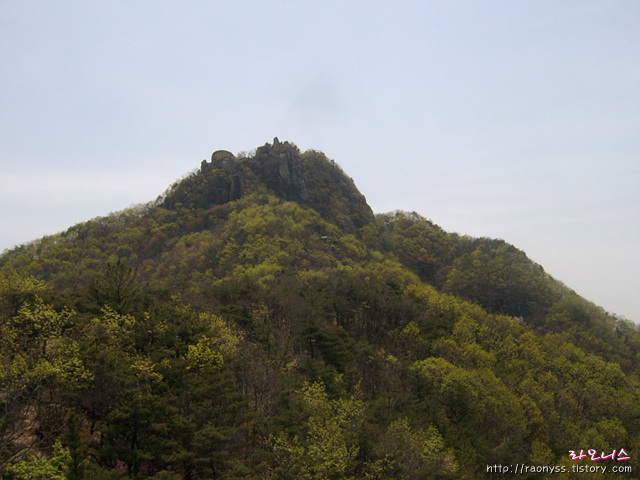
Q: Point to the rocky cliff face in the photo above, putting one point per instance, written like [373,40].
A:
[225,180]
[280,169]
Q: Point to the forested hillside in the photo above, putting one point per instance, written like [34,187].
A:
[259,321]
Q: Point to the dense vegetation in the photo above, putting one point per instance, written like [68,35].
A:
[258,321]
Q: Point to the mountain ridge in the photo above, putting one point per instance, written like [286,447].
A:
[259,321]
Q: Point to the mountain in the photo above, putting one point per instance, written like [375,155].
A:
[259,321]
[278,169]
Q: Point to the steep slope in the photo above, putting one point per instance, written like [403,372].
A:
[258,321]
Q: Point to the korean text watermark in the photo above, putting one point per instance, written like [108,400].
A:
[591,454]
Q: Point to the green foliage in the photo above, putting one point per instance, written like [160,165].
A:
[333,194]
[42,468]
[258,322]
[502,279]
[76,447]
[420,245]
[213,349]
[39,365]
[328,449]
[117,289]
[415,453]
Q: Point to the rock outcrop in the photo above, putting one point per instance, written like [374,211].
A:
[279,168]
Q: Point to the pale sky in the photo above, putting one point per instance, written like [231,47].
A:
[507,119]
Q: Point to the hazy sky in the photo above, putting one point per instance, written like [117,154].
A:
[509,119]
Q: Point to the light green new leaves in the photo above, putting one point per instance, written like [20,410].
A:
[42,468]
[328,448]
[35,348]
[36,359]
[219,344]
[416,452]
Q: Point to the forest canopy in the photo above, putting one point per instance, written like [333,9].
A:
[259,321]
